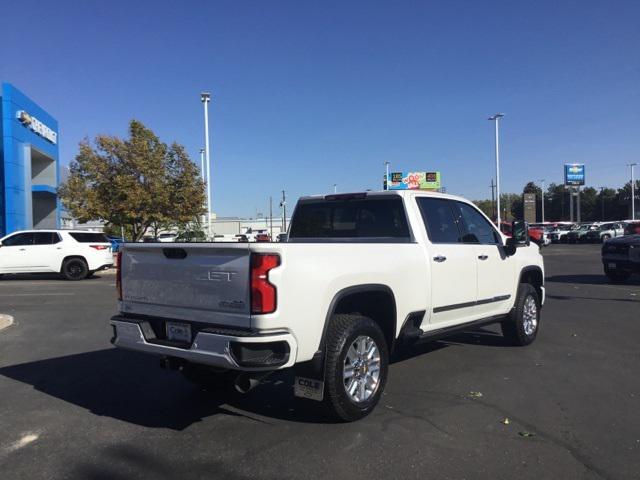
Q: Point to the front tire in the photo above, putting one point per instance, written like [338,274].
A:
[521,326]
[75,269]
[356,367]
[616,276]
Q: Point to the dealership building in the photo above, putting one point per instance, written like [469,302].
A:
[28,164]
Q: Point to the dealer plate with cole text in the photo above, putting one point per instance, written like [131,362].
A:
[308,388]
[178,332]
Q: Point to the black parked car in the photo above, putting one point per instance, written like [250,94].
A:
[621,257]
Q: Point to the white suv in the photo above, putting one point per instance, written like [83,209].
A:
[75,254]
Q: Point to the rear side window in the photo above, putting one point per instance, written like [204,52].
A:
[45,238]
[369,218]
[439,220]
[89,237]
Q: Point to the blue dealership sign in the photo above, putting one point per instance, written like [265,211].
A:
[574,174]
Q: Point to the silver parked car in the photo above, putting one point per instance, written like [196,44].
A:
[604,232]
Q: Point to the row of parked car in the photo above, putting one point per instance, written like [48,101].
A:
[567,232]
[596,232]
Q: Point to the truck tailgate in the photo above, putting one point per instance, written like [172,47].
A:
[206,283]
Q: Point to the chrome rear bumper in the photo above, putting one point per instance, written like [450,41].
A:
[213,349]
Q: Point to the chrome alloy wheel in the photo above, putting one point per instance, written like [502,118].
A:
[530,316]
[361,371]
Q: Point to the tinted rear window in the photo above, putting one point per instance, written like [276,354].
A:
[370,218]
[87,237]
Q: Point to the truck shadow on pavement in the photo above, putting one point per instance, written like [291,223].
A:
[590,279]
[131,387]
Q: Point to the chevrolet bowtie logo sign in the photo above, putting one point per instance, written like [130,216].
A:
[36,126]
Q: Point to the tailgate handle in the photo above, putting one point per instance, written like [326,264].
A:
[177,253]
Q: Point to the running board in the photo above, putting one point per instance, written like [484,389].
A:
[439,333]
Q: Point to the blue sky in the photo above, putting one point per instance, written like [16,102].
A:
[307,94]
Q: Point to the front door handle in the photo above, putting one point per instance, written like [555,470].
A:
[439,258]
[22,249]
[483,257]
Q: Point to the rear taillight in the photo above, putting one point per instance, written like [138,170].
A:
[263,293]
[99,247]
[119,275]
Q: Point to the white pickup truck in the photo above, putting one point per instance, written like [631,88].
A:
[359,276]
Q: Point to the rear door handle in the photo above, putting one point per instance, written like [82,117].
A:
[483,257]
[22,249]
[439,258]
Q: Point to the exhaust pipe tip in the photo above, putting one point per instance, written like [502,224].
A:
[245,382]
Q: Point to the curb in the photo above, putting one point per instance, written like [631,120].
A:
[5,321]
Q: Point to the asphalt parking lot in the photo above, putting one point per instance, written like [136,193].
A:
[74,407]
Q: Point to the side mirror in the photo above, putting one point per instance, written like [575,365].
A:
[519,238]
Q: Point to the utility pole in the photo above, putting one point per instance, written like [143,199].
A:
[271,218]
[602,201]
[542,190]
[496,118]
[386,175]
[493,199]
[205,98]
[283,204]
[633,192]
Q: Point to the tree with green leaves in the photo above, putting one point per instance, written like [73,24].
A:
[138,183]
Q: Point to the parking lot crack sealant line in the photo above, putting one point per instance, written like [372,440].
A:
[579,457]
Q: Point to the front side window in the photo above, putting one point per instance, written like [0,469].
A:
[477,229]
[19,239]
[439,220]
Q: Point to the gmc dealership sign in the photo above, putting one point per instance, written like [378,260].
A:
[37,126]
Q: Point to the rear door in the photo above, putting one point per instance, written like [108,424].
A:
[206,283]
[496,270]
[453,265]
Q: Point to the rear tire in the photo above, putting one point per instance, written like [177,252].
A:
[75,269]
[521,327]
[356,366]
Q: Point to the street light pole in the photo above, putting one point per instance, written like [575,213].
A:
[633,192]
[496,118]
[205,98]
[542,189]
[202,166]
[602,201]
[493,198]
[386,176]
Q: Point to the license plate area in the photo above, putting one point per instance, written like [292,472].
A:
[178,332]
